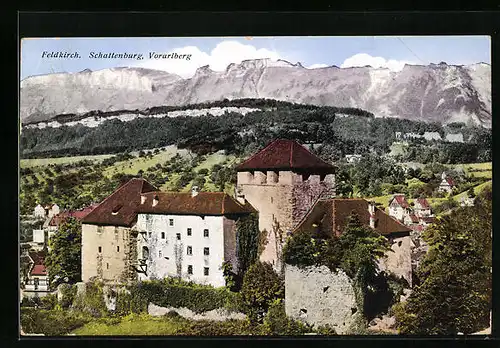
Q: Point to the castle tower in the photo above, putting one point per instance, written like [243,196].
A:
[283,181]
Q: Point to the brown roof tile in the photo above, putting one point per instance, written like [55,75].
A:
[39,270]
[423,203]
[332,215]
[56,220]
[204,203]
[284,155]
[128,196]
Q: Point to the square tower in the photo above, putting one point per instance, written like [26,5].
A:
[282,182]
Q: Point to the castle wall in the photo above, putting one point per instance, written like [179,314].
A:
[317,296]
[398,260]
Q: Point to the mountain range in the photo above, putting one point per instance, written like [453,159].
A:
[433,93]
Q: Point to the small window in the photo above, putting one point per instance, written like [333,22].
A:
[163,235]
[117,249]
[149,234]
[205,233]
[107,265]
[159,253]
[170,222]
[205,271]
[100,249]
[100,229]
[178,236]
[190,250]
[189,231]
[206,251]
[271,199]
[190,269]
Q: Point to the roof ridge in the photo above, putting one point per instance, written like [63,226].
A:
[291,153]
[258,152]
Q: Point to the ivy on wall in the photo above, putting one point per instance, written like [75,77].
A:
[248,239]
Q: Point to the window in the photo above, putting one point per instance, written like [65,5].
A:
[159,253]
[190,250]
[145,253]
[170,222]
[178,236]
[117,249]
[271,199]
[149,234]
[100,229]
[205,271]
[205,233]
[35,282]
[163,235]
[107,265]
[190,269]
[206,251]
[99,249]
[189,231]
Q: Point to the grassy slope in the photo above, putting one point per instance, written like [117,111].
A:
[36,162]
[132,325]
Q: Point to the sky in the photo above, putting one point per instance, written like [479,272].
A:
[378,51]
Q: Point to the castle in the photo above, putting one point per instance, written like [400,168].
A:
[139,232]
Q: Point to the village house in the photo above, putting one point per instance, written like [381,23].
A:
[399,207]
[46,212]
[353,158]
[188,235]
[37,284]
[282,182]
[422,208]
[447,184]
[455,138]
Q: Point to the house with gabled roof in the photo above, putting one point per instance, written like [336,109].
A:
[282,182]
[330,216]
[422,207]
[141,232]
[399,207]
[37,284]
[447,184]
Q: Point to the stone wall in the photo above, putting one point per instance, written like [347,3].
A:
[219,314]
[399,259]
[317,296]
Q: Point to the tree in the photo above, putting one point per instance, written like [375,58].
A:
[455,276]
[261,286]
[64,259]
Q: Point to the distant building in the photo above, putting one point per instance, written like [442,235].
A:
[39,211]
[353,158]
[38,236]
[37,284]
[432,136]
[422,208]
[46,212]
[466,202]
[447,184]
[398,207]
[456,138]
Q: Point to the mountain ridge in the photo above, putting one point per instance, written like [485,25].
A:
[435,92]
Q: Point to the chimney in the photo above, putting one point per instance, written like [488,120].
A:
[371,210]
[194,191]
[155,200]
[143,199]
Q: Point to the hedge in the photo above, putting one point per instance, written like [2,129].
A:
[177,293]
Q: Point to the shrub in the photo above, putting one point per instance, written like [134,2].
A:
[261,286]
[68,295]
[277,323]
[49,301]
[92,300]
[50,322]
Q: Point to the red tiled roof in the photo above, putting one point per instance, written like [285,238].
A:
[428,219]
[423,203]
[204,203]
[38,257]
[39,270]
[401,200]
[450,181]
[128,196]
[413,218]
[332,215]
[285,154]
[77,214]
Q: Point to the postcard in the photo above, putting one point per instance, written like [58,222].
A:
[255,186]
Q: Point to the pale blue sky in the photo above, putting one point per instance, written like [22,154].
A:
[390,51]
